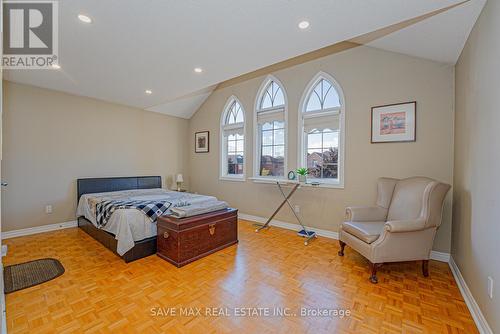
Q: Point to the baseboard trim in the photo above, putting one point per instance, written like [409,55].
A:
[289,226]
[38,229]
[438,256]
[477,315]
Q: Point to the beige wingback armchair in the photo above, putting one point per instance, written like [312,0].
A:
[402,225]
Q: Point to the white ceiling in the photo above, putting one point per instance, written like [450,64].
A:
[441,37]
[135,45]
[184,106]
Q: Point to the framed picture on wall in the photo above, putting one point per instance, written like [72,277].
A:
[201,142]
[394,123]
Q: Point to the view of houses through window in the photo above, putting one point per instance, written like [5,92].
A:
[272,161]
[323,154]
[235,154]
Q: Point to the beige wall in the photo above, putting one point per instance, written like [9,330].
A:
[50,139]
[368,77]
[476,209]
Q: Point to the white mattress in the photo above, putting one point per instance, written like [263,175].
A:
[130,225]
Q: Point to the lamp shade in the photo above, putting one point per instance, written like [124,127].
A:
[179,178]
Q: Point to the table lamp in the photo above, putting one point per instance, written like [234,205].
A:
[179,181]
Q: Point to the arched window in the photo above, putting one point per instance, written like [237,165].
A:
[321,126]
[233,141]
[270,129]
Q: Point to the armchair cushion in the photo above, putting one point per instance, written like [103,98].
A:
[365,231]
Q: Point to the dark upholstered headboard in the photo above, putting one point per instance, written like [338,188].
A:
[107,184]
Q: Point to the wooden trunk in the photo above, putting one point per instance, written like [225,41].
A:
[181,241]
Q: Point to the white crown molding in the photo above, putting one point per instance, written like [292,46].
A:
[38,229]
[477,315]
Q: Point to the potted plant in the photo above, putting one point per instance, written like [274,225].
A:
[302,173]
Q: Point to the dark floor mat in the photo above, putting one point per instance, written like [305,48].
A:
[23,275]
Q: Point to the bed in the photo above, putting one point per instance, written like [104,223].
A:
[128,232]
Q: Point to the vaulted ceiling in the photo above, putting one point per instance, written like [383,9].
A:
[132,46]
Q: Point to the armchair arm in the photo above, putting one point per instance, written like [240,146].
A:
[405,225]
[360,213]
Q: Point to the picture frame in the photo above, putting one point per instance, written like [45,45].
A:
[202,142]
[394,123]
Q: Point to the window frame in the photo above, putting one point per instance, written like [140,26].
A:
[302,136]
[223,145]
[257,138]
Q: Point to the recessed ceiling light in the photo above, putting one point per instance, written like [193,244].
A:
[148,91]
[56,66]
[303,25]
[84,18]
[198,70]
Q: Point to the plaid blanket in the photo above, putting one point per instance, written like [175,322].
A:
[152,209]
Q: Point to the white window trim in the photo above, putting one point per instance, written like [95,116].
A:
[271,109]
[321,113]
[301,149]
[256,151]
[223,175]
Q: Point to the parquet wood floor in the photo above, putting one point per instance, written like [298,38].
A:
[99,293]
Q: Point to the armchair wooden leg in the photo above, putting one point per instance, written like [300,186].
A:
[425,268]
[373,269]
[342,246]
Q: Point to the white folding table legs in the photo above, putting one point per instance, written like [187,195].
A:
[304,233]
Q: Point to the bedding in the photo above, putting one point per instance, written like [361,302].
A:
[197,209]
[129,224]
[152,209]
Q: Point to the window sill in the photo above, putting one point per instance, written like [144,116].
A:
[260,179]
[326,185]
[266,180]
[232,179]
